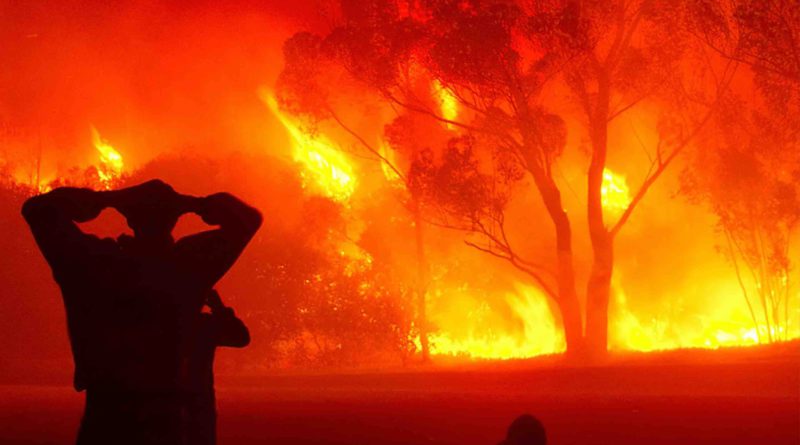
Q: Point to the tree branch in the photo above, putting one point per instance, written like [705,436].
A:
[664,163]
[519,266]
[368,146]
[662,166]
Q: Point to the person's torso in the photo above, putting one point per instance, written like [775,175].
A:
[129,316]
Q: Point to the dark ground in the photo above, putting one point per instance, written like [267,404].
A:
[756,401]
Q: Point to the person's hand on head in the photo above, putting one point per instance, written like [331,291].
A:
[210,208]
[147,196]
[151,208]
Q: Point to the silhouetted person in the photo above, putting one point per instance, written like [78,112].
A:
[525,430]
[220,327]
[132,303]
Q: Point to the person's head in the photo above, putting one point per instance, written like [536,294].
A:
[152,210]
[525,430]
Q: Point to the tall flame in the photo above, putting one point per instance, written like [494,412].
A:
[328,168]
[111,163]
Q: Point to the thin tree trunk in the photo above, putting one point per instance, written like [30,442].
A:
[598,287]
[422,284]
[567,298]
[569,306]
[786,298]
[729,237]
[761,283]
[598,291]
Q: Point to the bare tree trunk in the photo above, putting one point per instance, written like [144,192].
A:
[567,298]
[598,291]
[568,304]
[733,253]
[762,283]
[598,287]
[422,283]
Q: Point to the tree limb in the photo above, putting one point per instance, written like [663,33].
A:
[519,266]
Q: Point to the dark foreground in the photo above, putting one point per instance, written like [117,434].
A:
[757,402]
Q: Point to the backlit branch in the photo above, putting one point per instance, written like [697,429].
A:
[368,146]
[510,258]
[661,164]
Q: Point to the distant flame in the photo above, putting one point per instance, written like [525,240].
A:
[329,168]
[111,163]
[615,192]
[391,157]
[448,103]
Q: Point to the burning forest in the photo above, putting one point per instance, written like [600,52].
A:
[442,182]
[497,180]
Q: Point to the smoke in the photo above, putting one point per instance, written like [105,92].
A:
[153,77]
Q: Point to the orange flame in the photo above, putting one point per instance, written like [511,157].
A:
[111,163]
[391,157]
[725,324]
[473,329]
[537,335]
[614,191]
[448,103]
[327,167]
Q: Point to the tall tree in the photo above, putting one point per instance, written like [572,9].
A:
[499,61]
[626,54]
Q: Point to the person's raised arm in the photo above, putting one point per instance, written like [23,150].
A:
[52,217]
[209,255]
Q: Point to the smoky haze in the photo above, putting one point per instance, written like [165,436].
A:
[156,78]
[151,76]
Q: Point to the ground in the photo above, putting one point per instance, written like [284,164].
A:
[755,400]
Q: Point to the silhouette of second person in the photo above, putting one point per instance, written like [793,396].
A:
[132,303]
[525,430]
[220,327]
